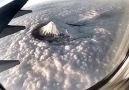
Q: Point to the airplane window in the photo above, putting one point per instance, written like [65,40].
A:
[67,44]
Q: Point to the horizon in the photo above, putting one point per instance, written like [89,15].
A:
[29,3]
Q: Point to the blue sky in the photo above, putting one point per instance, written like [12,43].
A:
[29,3]
[3,2]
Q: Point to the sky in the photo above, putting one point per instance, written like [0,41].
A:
[29,3]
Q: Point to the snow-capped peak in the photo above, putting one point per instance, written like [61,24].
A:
[49,30]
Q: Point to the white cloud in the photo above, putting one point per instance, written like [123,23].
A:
[33,2]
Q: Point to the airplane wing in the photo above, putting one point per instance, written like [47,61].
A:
[1,87]
[22,12]
[7,13]
[6,64]
[11,30]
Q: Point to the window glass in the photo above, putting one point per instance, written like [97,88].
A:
[91,39]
